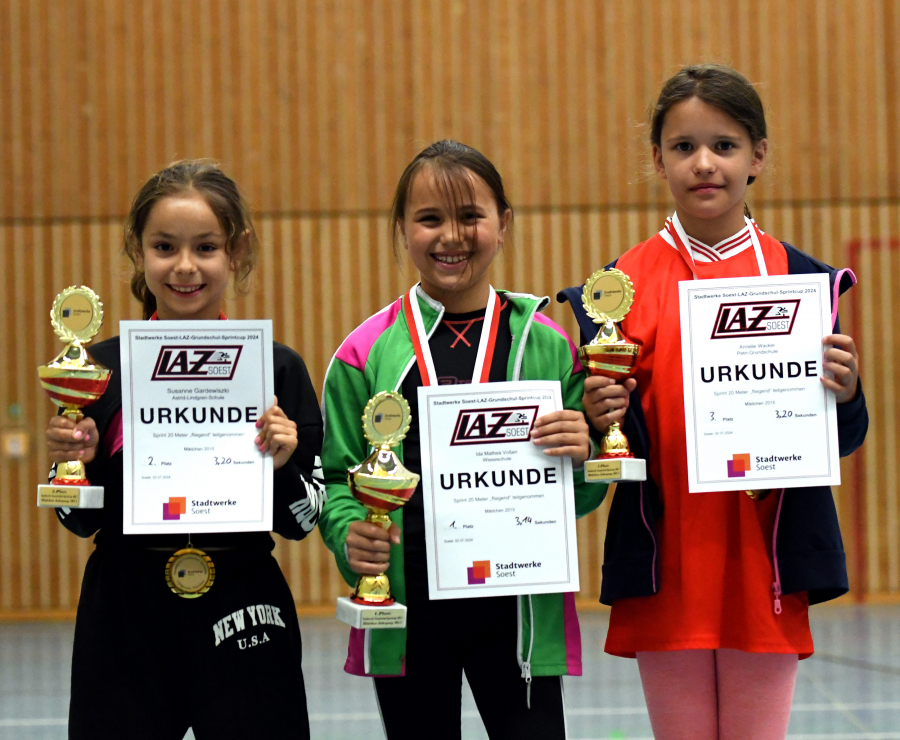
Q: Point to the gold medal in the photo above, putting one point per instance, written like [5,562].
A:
[190,573]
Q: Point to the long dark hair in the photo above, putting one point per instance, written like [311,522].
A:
[221,194]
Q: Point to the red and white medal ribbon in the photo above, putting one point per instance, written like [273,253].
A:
[420,338]
[677,232]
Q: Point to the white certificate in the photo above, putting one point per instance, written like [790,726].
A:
[499,514]
[756,413]
[191,394]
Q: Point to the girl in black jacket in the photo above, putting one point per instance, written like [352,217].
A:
[146,662]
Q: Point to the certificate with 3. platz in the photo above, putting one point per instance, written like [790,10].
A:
[192,392]
[499,513]
[756,413]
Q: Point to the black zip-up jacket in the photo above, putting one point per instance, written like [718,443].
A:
[298,486]
[809,548]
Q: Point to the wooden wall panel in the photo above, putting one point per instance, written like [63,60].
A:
[316,107]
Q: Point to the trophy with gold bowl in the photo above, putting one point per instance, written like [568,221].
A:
[73,380]
[382,484]
[608,296]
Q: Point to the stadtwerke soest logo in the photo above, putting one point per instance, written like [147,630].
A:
[739,465]
[479,571]
[174,508]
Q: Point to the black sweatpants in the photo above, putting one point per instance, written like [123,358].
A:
[148,664]
[478,636]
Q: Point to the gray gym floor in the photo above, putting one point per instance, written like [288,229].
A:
[849,689]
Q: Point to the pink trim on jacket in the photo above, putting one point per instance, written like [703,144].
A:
[541,319]
[354,350]
[356,657]
[356,649]
[652,536]
[572,634]
[776,585]
[836,292]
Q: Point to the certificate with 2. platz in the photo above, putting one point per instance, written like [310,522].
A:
[499,513]
[192,392]
[756,413]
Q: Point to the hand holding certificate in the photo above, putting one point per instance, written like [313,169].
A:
[499,512]
[756,412]
[192,396]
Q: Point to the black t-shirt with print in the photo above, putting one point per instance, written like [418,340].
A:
[454,349]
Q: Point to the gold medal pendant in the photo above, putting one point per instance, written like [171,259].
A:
[190,573]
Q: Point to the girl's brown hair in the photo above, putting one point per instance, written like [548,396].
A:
[716,85]
[221,194]
[450,161]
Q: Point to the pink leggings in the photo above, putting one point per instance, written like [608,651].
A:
[718,694]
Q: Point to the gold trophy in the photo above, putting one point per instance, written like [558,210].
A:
[73,380]
[381,484]
[608,296]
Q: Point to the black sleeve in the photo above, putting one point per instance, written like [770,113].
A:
[83,522]
[299,486]
[100,472]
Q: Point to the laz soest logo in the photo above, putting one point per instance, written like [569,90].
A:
[755,319]
[492,426]
[193,362]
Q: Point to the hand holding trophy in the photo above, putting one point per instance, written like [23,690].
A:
[608,296]
[381,484]
[73,380]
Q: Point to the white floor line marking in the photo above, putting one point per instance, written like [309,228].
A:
[841,707]
[835,706]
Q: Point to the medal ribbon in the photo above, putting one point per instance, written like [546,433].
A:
[170,566]
[676,231]
[419,337]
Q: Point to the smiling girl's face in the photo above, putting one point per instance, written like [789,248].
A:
[452,244]
[185,258]
[706,157]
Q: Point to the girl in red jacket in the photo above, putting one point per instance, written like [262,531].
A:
[717,642]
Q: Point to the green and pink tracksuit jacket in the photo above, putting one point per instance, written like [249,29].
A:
[376,357]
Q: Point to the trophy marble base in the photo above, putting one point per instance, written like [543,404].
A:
[614,470]
[364,617]
[73,497]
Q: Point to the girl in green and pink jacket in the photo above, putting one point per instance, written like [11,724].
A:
[451,214]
